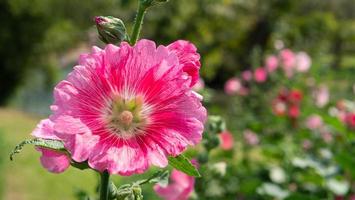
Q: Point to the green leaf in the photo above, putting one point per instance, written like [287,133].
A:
[45,143]
[183,164]
[160,177]
[346,161]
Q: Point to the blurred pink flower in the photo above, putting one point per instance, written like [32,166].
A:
[350,120]
[226,140]
[232,86]
[180,186]
[200,85]
[321,96]
[307,144]
[295,96]
[244,91]
[53,161]
[293,111]
[327,136]
[314,122]
[260,75]
[250,137]
[115,109]
[271,63]
[247,75]
[352,197]
[342,116]
[279,107]
[303,62]
[288,60]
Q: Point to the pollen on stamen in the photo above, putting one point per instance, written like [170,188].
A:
[126,117]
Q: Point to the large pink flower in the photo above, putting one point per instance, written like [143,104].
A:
[53,161]
[126,108]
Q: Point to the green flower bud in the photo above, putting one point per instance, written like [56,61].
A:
[137,192]
[111,30]
[202,158]
[216,124]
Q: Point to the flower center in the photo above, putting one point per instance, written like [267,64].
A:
[124,117]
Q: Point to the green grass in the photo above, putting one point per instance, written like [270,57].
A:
[24,178]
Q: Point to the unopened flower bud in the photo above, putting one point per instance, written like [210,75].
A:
[111,30]
[216,124]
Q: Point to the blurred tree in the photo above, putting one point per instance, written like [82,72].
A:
[33,33]
[232,35]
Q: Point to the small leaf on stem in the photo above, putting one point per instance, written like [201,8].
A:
[45,143]
[160,177]
[183,164]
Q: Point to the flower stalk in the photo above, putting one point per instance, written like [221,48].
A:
[104,185]
[138,22]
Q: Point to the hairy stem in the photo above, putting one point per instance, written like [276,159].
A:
[138,22]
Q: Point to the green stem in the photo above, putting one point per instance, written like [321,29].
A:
[104,185]
[138,22]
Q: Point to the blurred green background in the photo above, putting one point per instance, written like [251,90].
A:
[40,41]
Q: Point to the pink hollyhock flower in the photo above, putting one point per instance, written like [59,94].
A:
[260,75]
[295,96]
[303,62]
[350,120]
[314,122]
[200,85]
[250,137]
[271,63]
[53,161]
[232,86]
[287,61]
[293,111]
[180,187]
[126,108]
[279,107]
[247,75]
[226,139]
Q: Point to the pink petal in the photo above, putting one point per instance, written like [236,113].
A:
[55,162]
[188,58]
